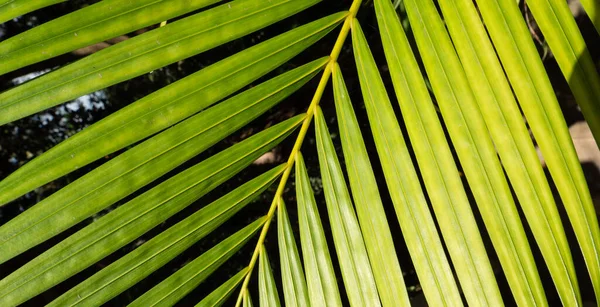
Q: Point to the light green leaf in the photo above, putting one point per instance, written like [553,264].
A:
[520,160]
[266,282]
[163,108]
[473,145]
[131,220]
[186,279]
[572,55]
[530,83]
[146,162]
[320,276]
[92,24]
[10,9]
[141,54]
[592,9]
[221,294]
[292,275]
[435,160]
[417,223]
[347,237]
[247,301]
[369,208]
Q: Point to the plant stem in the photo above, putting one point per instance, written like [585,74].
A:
[335,52]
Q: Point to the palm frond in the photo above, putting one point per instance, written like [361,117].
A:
[478,82]
[10,9]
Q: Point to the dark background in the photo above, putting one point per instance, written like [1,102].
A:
[25,139]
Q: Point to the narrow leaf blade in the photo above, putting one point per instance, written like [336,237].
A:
[417,223]
[130,221]
[223,292]
[369,208]
[530,83]
[145,163]
[144,53]
[347,236]
[268,296]
[295,292]
[86,26]
[163,108]
[186,279]
[320,276]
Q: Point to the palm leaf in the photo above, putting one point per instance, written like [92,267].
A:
[465,70]
[146,162]
[87,26]
[369,209]
[564,39]
[144,53]
[163,108]
[322,284]
[295,292]
[525,72]
[221,294]
[10,9]
[176,286]
[131,220]
[346,232]
[268,296]
[411,207]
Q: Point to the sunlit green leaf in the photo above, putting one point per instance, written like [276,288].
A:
[347,236]
[572,55]
[320,276]
[369,208]
[89,25]
[221,294]
[515,147]
[530,83]
[247,301]
[267,288]
[128,222]
[143,53]
[292,275]
[186,279]
[10,9]
[163,108]
[146,162]
[412,210]
[474,148]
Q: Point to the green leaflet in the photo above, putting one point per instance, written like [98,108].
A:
[186,279]
[435,160]
[570,51]
[473,145]
[10,9]
[133,219]
[145,163]
[530,83]
[369,208]
[89,25]
[221,294]
[592,8]
[347,236]
[520,160]
[417,223]
[295,292]
[163,108]
[320,276]
[152,50]
[267,288]
[246,300]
